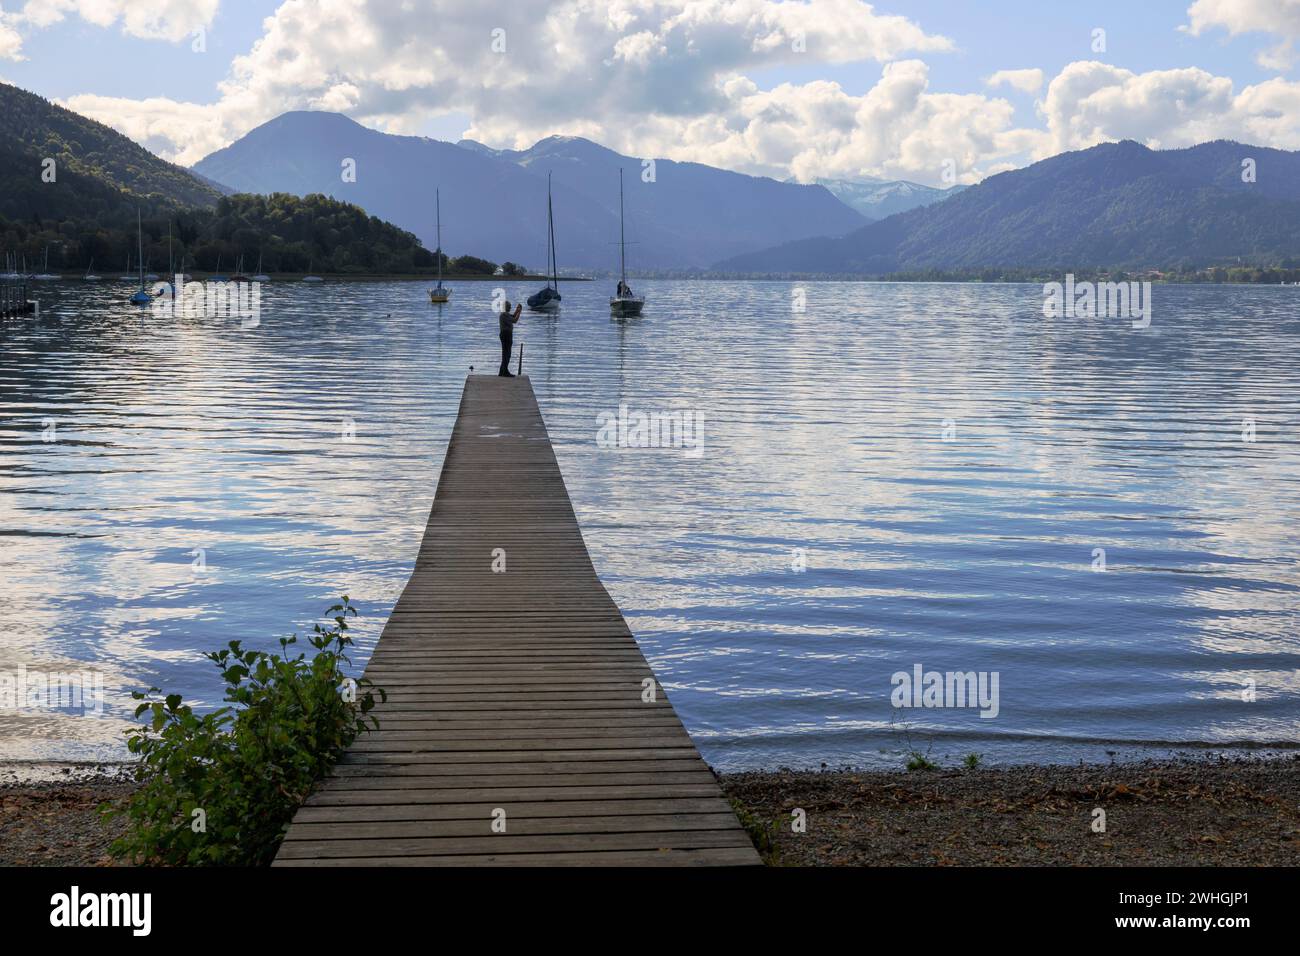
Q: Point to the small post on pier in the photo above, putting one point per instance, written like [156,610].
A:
[519,370]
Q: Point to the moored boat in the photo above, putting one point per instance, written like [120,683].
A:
[548,299]
[141,296]
[439,294]
[624,302]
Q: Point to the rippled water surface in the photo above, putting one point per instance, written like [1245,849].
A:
[946,462]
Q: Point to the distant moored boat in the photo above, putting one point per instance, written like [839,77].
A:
[439,294]
[623,303]
[548,299]
[45,275]
[140,296]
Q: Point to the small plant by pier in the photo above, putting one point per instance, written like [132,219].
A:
[219,789]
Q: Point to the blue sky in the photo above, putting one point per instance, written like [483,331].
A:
[886,115]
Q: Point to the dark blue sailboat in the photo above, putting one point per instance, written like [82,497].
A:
[548,299]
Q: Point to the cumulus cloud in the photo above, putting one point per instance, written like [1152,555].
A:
[668,76]
[676,79]
[148,19]
[898,128]
[1090,102]
[1278,17]
[1026,81]
[11,41]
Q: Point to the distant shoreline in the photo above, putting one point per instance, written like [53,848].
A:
[327,276]
[1082,275]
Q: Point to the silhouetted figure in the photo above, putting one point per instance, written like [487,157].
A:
[507,322]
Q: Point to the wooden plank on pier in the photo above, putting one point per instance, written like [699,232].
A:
[518,691]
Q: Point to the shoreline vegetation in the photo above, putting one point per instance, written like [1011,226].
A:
[220,788]
[1200,811]
[274,234]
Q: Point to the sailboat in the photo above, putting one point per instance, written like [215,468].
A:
[623,302]
[309,277]
[45,275]
[176,277]
[141,296]
[439,294]
[127,277]
[261,276]
[90,272]
[217,276]
[548,299]
[239,271]
[171,257]
[153,276]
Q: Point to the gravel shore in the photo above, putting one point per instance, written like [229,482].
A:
[58,824]
[1181,813]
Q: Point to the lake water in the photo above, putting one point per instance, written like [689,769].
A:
[942,461]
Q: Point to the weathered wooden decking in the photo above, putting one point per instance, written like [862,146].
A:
[518,692]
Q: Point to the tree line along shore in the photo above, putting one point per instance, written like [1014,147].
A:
[278,234]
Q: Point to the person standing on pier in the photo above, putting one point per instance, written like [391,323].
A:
[507,323]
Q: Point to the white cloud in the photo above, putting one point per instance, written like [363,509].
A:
[153,122]
[1090,102]
[170,20]
[667,75]
[1026,81]
[11,41]
[898,128]
[1278,17]
[675,78]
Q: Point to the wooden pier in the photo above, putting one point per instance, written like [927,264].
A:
[517,730]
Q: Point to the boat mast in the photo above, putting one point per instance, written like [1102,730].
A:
[437,201]
[622,246]
[139,240]
[550,221]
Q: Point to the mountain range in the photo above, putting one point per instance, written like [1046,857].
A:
[494,201]
[1117,205]
[878,199]
[1113,206]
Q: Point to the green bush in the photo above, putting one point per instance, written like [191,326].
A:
[220,789]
